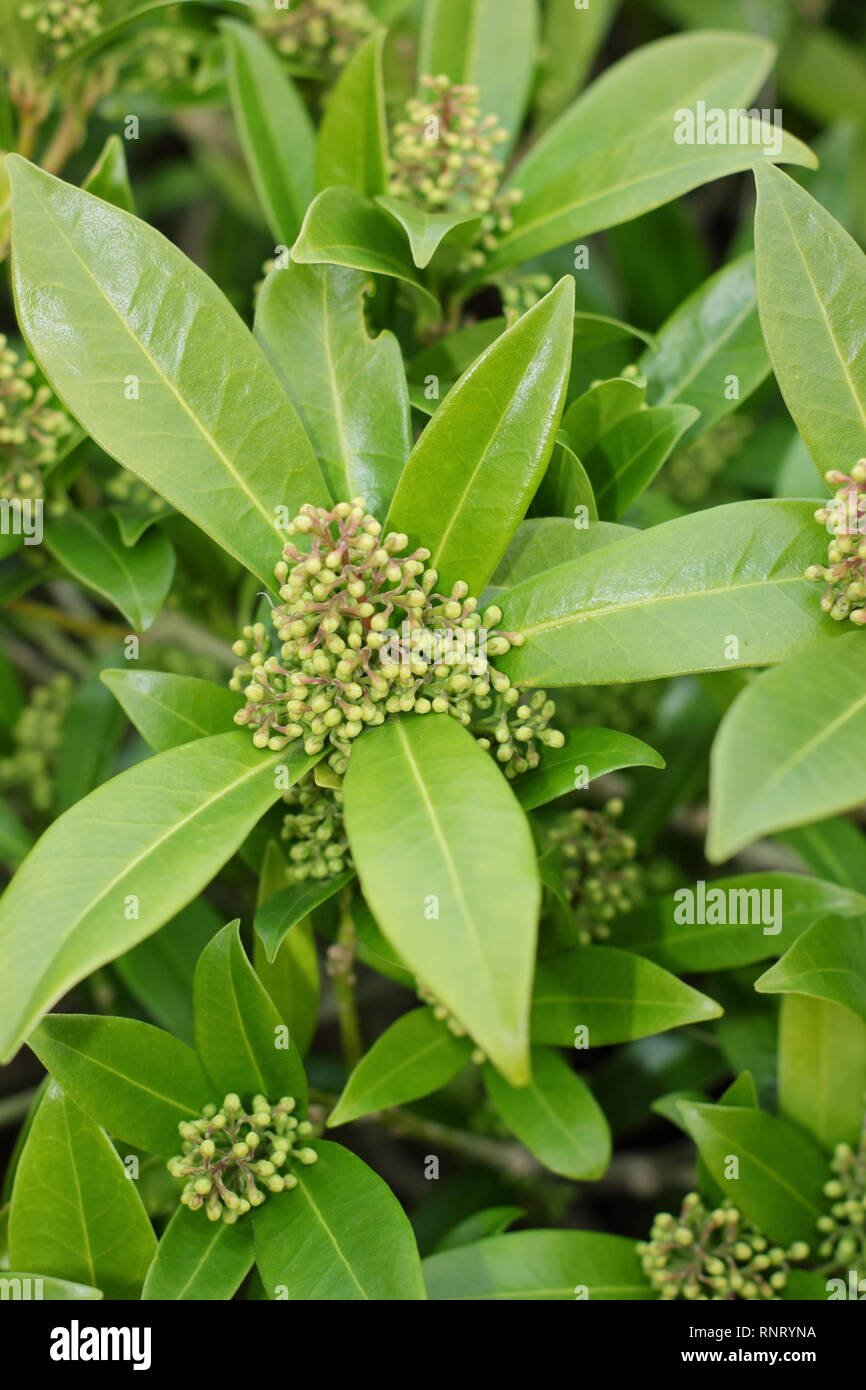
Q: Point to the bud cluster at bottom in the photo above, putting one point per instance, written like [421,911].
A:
[226,1150]
[844,1227]
[713,1255]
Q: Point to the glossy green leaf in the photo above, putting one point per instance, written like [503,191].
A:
[589,418]
[731,921]
[585,755]
[281,912]
[154,836]
[491,1221]
[239,1035]
[171,710]
[791,748]
[274,127]
[667,600]
[812,295]
[822,1069]
[199,1259]
[44,1287]
[453,806]
[710,353]
[614,995]
[75,1214]
[426,230]
[834,849]
[487,44]
[339,1236]
[541,543]
[135,580]
[781,1172]
[136,1081]
[614,154]
[556,1116]
[109,177]
[547,1266]
[827,962]
[348,388]
[292,979]
[414,1057]
[352,144]
[126,305]
[565,489]
[475,468]
[631,454]
[343,227]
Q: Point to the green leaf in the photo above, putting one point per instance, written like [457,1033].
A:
[239,1035]
[781,1172]
[414,1057]
[343,227]
[170,710]
[667,600]
[570,41]
[135,580]
[614,995]
[127,304]
[475,468]
[352,145]
[541,543]
[348,388]
[136,1081]
[833,849]
[547,1266]
[339,1236]
[631,454]
[425,230]
[759,915]
[594,413]
[585,755]
[274,127]
[75,1214]
[822,1069]
[791,748]
[464,844]
[281,912]
[146,842]
[93,730]
[613,155]
[812,296]
[486,44]
[109,177]
[491,1221]
[51,1290]
[292,979]
[827,962]
[713,336]
[199,1259]
[556,1116]
[15,839]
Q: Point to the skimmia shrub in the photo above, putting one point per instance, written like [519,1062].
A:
[433,779]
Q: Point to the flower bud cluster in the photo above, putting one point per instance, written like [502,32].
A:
[124,487]
[230,1158]
[362,633]
[519,292]
[690,474]
[598,872]
[630,709]
[443,159]
[37,737]
[843,1228]
[453,1024]
[845,573]
[64,24]
[31,426]
[160,57]
[714,1255]
[319,36]
[314,827]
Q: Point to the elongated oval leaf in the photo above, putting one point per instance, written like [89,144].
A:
[348,388]
[433,900]
[589,418]
[199,1259]
[425,230]
[135,579]
[822,1069]
[613,995]
[339,1236]
[283,910]
[75,1213]
[133,336]
[827,962]
[352,144]
[791,748]
[412,1058]
[121,862]
[170,710]
[292,978]
[667,600]
[475,468]
[547,1266]
[585,755]
[812,298]
[136,1081]
[631,454]
[556,1116]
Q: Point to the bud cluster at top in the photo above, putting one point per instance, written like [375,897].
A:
[227,1153]
[713,1255]
[845,572]
[319,36]
[31,426]
[63,24]
[598,872]
[843,1228]
[37,737]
